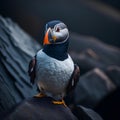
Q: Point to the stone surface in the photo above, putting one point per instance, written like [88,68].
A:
[89,52]
[113,72]
[40,109]
[85,113]
[92,88]
[16,50]
[109,107]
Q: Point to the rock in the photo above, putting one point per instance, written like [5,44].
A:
[40,109]
[109,107]
[29,108]
[16,50]
[83,113]
[90,53]
[113,72]
[99,66]
[92,88]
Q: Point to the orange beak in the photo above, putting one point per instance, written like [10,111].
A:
[46,41]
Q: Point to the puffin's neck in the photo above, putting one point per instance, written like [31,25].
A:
[57,51]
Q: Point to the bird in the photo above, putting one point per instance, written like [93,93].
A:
[52,68]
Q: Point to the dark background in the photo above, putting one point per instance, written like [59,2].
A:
[98,18]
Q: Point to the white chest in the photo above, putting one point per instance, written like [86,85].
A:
[51,74]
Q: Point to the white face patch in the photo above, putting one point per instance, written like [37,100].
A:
[62,33]
[59,34]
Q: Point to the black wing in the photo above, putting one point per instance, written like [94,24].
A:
[31,70]
[74,79]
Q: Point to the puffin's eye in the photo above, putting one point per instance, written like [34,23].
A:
[57,29]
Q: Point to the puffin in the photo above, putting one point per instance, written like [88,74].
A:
[52,68]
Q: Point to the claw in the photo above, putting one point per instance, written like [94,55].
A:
[59,103]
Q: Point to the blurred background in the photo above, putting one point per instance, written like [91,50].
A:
[95,46]
[98,18]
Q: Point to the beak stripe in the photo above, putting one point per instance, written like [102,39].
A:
[54,38]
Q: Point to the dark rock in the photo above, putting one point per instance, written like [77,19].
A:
[83,113]
[109,107]
[40,109]
[16,50]
[113,72]
[92,87]
[89,53]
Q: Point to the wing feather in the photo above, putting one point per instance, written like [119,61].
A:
[31,70]
[74,79]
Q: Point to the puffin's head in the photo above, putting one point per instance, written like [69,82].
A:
[56,32]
